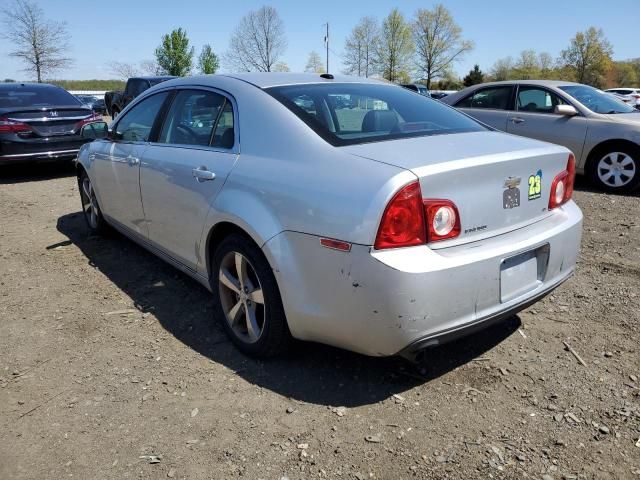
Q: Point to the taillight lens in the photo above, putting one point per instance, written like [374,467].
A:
[95,117]
[402,223]
[443,220]
[562,186]
[409,220]
[13,126]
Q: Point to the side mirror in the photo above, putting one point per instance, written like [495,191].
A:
[94,130]
[566,110]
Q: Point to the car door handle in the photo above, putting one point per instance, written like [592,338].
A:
[517,120]
[133,161]
[202,174]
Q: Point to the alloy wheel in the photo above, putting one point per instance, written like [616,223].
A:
[241,296]
[616,169]
[89,203]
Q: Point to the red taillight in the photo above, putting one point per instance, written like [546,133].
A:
[635,95]
[13,126]
[95,117]
[443,220]
[409,220]
[402,223]
[562,186]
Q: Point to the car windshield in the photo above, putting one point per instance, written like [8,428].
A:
[26,96]
[596,100]
[353,113]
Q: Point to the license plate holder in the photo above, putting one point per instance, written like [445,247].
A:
[522,273]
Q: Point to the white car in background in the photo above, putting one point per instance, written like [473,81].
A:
[630,96]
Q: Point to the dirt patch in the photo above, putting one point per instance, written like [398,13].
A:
[111,367]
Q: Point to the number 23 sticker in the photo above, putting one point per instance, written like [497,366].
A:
[535,185]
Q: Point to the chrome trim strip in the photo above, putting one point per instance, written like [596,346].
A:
[42,154]
[48,119]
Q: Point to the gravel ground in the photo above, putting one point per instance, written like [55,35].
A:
[110,367]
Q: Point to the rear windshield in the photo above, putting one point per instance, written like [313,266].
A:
[25,96]
[353,113]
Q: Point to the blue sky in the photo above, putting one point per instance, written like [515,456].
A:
[129,31]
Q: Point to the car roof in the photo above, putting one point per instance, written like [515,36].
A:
[36,86]
[273,79]
[544,83]
[159,77]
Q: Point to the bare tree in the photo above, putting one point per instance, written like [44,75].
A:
[438,41]
[503,69]
[151,67]
[281,67]
[360,47]
[123,70]
[314,63]
[40,43]
[257,42]
[395,49]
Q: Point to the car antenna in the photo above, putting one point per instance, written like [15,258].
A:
[328,76]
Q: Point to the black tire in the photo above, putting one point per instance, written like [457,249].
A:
[604,160]
[95,221]
[274,337]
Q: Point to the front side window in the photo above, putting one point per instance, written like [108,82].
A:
[191,118]
[596,100]
[537,100]
[136,124]
[353,113]
[496,98]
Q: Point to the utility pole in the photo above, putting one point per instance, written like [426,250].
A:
[326,41]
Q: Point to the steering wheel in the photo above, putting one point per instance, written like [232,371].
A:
[190,133]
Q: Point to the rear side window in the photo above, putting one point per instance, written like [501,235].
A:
[42,96]
[191,118]
[497,98]
[353,113]
[224,135]
[136,124]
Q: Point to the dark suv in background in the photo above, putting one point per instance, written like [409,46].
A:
[40,122]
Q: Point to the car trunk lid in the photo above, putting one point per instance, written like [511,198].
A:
[498,182]
[50,121]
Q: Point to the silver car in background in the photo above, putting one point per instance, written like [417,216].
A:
[337,210]
[602,132]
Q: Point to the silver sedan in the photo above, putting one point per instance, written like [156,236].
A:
[601,131]
[338,210]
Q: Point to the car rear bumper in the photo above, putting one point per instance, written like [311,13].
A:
[398,301]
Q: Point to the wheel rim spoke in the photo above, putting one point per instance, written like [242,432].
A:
[256,296]
[234,314]
[626,161]
[86,187]
[253,329]
[241,269]
[229,281]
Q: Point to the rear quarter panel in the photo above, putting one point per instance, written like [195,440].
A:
[288,178]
